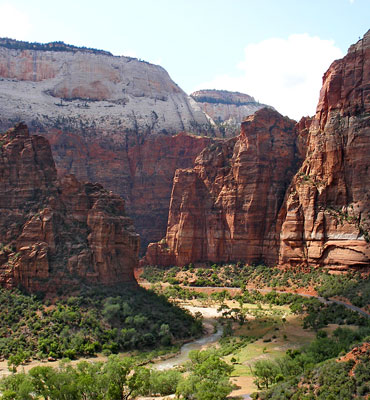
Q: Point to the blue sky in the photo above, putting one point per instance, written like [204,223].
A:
[274,50]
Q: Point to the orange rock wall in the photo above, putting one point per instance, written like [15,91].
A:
[142,173]
[325,219]
[225,208]
[253,199]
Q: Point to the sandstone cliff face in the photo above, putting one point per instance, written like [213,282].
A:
[108,119]
[91,91]
[225,208]
[325,219]
[226,109]
[237,203]
[142,173]
[54,232]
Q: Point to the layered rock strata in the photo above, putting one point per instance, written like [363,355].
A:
[225,208]
[101,113]
[325,219]
[58,232]
[90,91]
[240,201]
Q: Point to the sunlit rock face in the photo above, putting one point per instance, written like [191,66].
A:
[58,233]
[283,193]
[106,118]
[325,219]
[225,208]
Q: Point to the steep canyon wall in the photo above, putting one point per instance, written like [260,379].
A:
[283,193]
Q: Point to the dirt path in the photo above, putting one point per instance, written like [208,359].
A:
[210,315]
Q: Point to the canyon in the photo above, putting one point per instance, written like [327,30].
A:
[118,121]
[282,193]
[101,115]
[58,233]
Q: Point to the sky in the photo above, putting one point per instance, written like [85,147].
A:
[274,50]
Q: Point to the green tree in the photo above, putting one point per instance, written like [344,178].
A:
[208,378]
[117,370]
[265,373]
[17,387]
[164,382]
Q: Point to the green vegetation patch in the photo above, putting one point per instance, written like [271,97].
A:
[97,320]
[207,377]
[352,285]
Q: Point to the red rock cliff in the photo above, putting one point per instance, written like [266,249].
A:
[58,232]
[142,173]
[325,219]
[226,206]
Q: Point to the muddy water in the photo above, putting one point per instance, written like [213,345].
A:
[198,344]
[210,316]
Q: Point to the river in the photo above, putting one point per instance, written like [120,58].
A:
[210,316]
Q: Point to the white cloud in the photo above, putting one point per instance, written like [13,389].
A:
[13,22]
[284,73]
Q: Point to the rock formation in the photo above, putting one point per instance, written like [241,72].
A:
[142,173]
[57,232]
[242,202]
[225,208]
[80,89]
[226,109]
[100,113]
[325,219]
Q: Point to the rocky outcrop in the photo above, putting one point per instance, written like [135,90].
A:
[325,219]
[242,202]
[58,232]
[225,208]
[107,119]
[226,109]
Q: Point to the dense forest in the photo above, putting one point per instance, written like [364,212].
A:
[107,321]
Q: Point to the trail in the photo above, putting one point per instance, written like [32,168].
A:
[322,299]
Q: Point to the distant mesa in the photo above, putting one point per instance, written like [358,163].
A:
[227,109]
[222,97]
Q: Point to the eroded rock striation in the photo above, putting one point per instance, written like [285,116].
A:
[58,232]
[142,173]
[225,208]
[252,198]
[325,219]
[101,113]
[78,89]
[226,109]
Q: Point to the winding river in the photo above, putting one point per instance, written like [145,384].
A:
[210,316]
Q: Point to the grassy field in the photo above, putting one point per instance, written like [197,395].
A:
[275,330]
[278,330]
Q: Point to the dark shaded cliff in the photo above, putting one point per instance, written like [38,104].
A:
[58,233]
